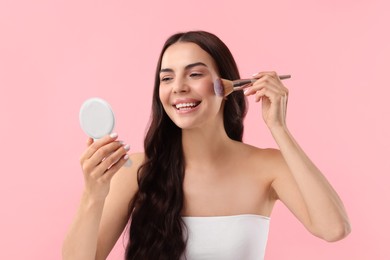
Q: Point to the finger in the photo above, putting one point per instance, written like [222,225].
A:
[259,94]
[89,141]
[104,152]
[261,74]
[109,173]
[84,154]
[95,145]
[112,159]
[270,79]
[89,165]
[261,84]
[271,92]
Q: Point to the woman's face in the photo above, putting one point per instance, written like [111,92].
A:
[186,86]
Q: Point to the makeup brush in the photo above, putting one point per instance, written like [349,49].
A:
[224,87]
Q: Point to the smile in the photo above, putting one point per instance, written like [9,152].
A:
[186,106]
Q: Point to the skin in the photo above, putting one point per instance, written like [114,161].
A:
[215,184]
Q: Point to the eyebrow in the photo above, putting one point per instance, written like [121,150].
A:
[189,66]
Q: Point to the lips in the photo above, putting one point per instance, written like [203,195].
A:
[186,106]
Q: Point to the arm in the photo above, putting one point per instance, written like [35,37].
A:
[298,183]
[305,191]
[116,208]
[82,239]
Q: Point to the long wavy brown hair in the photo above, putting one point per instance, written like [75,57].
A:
[156,227]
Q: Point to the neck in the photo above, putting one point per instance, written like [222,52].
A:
[204,146]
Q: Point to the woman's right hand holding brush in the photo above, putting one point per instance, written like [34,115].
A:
[269,88]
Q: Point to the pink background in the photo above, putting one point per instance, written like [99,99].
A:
[56,54]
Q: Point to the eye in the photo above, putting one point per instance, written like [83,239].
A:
[196,75]
[166,79]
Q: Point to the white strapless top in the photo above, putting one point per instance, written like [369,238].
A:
[238,237]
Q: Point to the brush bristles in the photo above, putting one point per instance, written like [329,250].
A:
[218,87]
[223,87]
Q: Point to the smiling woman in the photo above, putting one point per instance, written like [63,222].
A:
[186,197]
[186,86]
[192,72]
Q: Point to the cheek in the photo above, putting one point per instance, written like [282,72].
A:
[207,88]
[214,102]
[163,94]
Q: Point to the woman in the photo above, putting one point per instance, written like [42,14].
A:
[199,192]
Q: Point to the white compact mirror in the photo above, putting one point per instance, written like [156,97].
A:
[96,118]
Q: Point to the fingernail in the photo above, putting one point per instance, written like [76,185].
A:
[246,91]
[113,135]
[126,157]
[121,142]
[255,74]
[127,147]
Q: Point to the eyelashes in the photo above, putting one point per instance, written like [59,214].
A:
[196,75]
[165,79]
[193,75]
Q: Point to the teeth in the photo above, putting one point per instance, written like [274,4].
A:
[183,105]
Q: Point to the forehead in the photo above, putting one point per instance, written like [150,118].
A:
[181,54]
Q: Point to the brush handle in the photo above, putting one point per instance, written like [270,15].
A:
[240,84]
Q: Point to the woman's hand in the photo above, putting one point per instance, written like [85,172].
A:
[100,161]
[274,96]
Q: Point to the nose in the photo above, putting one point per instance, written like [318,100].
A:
[180,86]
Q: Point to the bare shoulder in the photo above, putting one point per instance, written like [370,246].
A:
[270,158]
[127,175]
[124,183]
[270,153]
[136,160]
[267,162]
[261,167]
[274,166]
